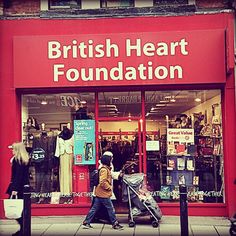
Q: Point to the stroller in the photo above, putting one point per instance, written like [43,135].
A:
[141,203]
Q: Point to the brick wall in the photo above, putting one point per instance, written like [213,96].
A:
[32,7]
[19,7]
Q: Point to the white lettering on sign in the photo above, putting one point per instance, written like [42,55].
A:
[150,49]
[82,50]
[118,72]
[145,70]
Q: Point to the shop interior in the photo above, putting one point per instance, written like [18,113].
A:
[133,125]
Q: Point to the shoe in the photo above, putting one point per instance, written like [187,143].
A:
[118,226]
[87,226]
[18,233]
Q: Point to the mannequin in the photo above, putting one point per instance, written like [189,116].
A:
[45,146]
[64,151]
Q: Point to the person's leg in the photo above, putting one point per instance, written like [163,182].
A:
[95,207]
[110,209]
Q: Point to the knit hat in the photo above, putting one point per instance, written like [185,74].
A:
[106,160]
[108,153]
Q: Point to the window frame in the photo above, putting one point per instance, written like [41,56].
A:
[103,4]
[56,7]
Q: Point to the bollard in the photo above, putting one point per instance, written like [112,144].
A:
[183,210]
[27,211]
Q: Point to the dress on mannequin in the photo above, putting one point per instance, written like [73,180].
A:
[64,150]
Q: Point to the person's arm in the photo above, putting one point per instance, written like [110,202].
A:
[103,179]
[115,174]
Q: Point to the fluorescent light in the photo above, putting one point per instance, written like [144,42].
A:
[163,101]
[160,105]
[44,102]
[197,100]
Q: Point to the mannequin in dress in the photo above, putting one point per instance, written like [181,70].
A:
[64,150]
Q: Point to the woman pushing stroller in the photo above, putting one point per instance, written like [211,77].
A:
[103,193]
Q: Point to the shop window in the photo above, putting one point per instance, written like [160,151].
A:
[117,3]
[184,145]
[50,120]
[57,4]
[169,2]
[120,104]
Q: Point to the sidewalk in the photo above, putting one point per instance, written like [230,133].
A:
[71,225]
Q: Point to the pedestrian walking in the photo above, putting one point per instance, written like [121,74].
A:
[19,176]
[103,193]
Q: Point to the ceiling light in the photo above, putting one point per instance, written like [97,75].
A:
[160,105]
[197,100]
[172,100]
[44,102]
[163,101]
[168,97]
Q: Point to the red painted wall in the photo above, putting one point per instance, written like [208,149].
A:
[10,122]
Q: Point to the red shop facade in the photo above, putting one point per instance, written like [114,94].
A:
[137,78]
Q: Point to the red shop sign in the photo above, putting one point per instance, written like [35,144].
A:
[183,57]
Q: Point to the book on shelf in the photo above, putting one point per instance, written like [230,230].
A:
[165,192]
[171,164]
[190,165]
[168,179]
[195,180]
[181,149]
[180,163]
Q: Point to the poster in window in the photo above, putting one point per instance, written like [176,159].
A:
[178,141]
[84,146]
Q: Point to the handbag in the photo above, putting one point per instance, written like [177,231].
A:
[13,208]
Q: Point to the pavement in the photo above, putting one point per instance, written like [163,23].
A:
[72,225]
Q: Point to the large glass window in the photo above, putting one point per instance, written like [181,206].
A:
[52,124]
[184,144]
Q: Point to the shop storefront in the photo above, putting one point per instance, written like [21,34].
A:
[157,91]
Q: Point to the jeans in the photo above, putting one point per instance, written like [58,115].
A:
[98,202]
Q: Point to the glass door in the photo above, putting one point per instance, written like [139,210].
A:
[122,138]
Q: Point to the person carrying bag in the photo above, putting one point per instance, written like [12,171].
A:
[13,208]
[19,178]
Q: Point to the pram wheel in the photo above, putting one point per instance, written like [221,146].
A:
[155,224]
[131,224]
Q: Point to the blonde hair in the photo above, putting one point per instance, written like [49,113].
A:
[20,153]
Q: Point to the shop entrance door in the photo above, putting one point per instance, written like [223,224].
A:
[123,139]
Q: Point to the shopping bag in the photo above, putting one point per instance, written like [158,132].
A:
[13,208]
[55,197]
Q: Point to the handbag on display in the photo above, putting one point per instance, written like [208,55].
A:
[13,208]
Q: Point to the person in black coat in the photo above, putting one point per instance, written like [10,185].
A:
[19,175]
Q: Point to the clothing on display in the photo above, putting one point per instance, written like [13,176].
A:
[64,150]
[42,157]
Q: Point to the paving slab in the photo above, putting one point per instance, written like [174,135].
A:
[222,230]
[61,229]
[96,230]
[203,230]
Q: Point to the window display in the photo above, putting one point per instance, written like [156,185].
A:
[48,133]
[176,139]
[191,145]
